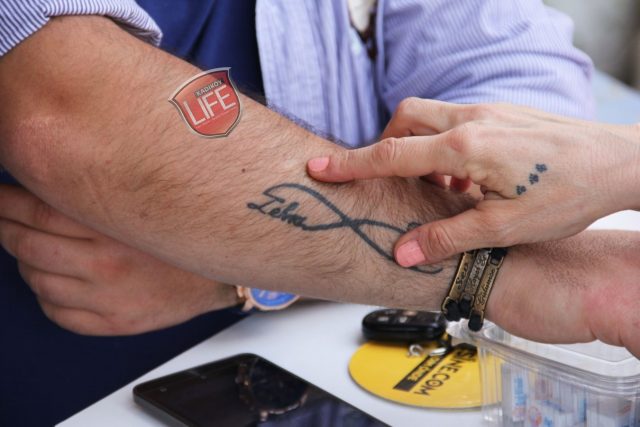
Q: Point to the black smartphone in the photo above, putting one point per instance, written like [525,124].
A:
[245,390]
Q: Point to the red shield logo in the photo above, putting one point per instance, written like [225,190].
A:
[209,103]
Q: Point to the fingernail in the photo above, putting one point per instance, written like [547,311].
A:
[318,164]
[410,254]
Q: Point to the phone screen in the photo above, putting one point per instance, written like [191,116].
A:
[245,390]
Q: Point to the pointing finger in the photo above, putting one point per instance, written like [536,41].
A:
[405,157]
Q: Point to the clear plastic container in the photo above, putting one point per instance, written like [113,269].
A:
[525,383]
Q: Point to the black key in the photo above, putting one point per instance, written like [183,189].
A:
[406,326]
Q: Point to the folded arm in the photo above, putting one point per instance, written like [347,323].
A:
[87,128]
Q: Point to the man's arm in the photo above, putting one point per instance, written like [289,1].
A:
[88,129]
[93,135]
[91,284]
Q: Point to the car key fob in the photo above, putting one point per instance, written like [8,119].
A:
[406,326]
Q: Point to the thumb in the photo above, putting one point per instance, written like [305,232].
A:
[439,240]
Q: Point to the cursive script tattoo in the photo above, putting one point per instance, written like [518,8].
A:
[286,209]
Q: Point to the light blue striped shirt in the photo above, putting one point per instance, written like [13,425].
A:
[316,68]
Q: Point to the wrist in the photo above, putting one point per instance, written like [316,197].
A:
[624,189]
[423,203]
[502,294]
[516,303]
[396,286]
[634,135]
[540,291]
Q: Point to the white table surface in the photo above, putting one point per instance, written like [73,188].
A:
[313,340]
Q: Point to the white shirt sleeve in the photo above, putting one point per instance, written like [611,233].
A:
[21,18]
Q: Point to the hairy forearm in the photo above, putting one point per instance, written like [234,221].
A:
[634,132]
[95,137]
[86,127]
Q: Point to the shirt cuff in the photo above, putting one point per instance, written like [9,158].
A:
[21,18]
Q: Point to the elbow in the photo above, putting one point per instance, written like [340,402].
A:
[64,162]
[35,151]
[25,144]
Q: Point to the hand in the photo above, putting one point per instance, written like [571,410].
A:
[91,284]
[544,177]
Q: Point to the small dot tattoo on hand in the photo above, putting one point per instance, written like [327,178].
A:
[534,178]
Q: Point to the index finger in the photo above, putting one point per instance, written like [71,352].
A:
[404,157]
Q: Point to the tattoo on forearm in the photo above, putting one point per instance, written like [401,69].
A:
[534,178]
[286,209]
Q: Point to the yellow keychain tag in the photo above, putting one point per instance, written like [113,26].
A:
[434,379]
